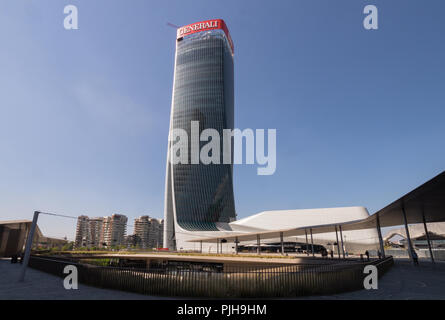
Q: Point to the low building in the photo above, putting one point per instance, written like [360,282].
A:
[132,241]
[13,236]
[50,243]
[436,233]
[14,233]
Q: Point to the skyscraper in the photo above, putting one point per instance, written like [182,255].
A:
[199,197]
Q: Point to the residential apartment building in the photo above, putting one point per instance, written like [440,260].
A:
[82,232]
[100,231]
[149,232]
[95,231]
[114,229]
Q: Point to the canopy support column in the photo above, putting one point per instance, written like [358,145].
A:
[342,244]
[408,237]
[258,249]
[282,243]
[312,244]
[307,243]
[338,244]
[379,231]
[427,237]
[236,245]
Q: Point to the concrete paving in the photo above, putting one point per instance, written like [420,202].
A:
[43,286]
[403,281]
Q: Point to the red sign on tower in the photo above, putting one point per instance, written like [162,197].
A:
[205,26]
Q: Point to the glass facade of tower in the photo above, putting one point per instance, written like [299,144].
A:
[201,194]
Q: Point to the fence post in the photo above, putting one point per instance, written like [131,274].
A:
[29,245]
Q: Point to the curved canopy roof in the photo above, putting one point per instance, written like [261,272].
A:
[427,201]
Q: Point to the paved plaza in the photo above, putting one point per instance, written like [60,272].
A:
[403,281]
[40,285]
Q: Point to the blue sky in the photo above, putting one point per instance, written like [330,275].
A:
[84,114]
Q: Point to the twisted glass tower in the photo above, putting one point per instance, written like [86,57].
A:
[199,197]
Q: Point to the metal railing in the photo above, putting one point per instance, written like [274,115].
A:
[235,282]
